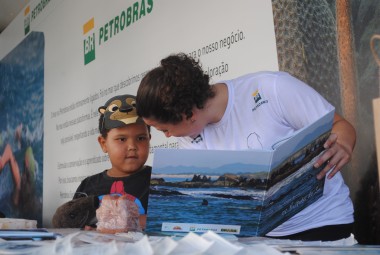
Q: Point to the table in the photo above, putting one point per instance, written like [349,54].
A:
[77,241]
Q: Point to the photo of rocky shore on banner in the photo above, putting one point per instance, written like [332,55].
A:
[242,192]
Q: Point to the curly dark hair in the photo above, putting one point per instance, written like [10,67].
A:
[173,89]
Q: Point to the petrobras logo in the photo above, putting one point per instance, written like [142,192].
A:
[256,96]
[258,100]
[119,23]
[89,41]
[31,14]
[27,20]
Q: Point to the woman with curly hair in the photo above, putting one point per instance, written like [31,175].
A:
[252,112]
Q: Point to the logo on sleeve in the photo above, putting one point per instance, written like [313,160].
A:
[31,13]
[258,99]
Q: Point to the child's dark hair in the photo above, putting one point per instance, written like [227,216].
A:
[102,130]
[173,89]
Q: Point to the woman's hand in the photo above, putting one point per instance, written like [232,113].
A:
[339,147]
[335,155]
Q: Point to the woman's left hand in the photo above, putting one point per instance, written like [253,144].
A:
[335,155]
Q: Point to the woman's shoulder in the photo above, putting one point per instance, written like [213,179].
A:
[258,78]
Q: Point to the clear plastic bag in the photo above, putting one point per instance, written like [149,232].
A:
[117,214]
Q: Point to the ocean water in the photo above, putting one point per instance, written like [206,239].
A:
[188,208]
[235,206]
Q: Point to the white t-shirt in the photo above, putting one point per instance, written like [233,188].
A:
[263,108]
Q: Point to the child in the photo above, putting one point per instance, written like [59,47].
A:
[177,99]
[125,138]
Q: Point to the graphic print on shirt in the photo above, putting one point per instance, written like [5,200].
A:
[117,187]
[258,100]
[253,141]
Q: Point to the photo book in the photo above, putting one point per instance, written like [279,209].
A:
[241,192]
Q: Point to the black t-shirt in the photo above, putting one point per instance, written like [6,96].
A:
[136,184]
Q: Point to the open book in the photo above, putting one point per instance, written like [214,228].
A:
[246,192]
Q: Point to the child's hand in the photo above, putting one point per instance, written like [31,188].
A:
[89,228]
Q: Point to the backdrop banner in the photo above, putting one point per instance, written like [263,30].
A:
[82,53]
